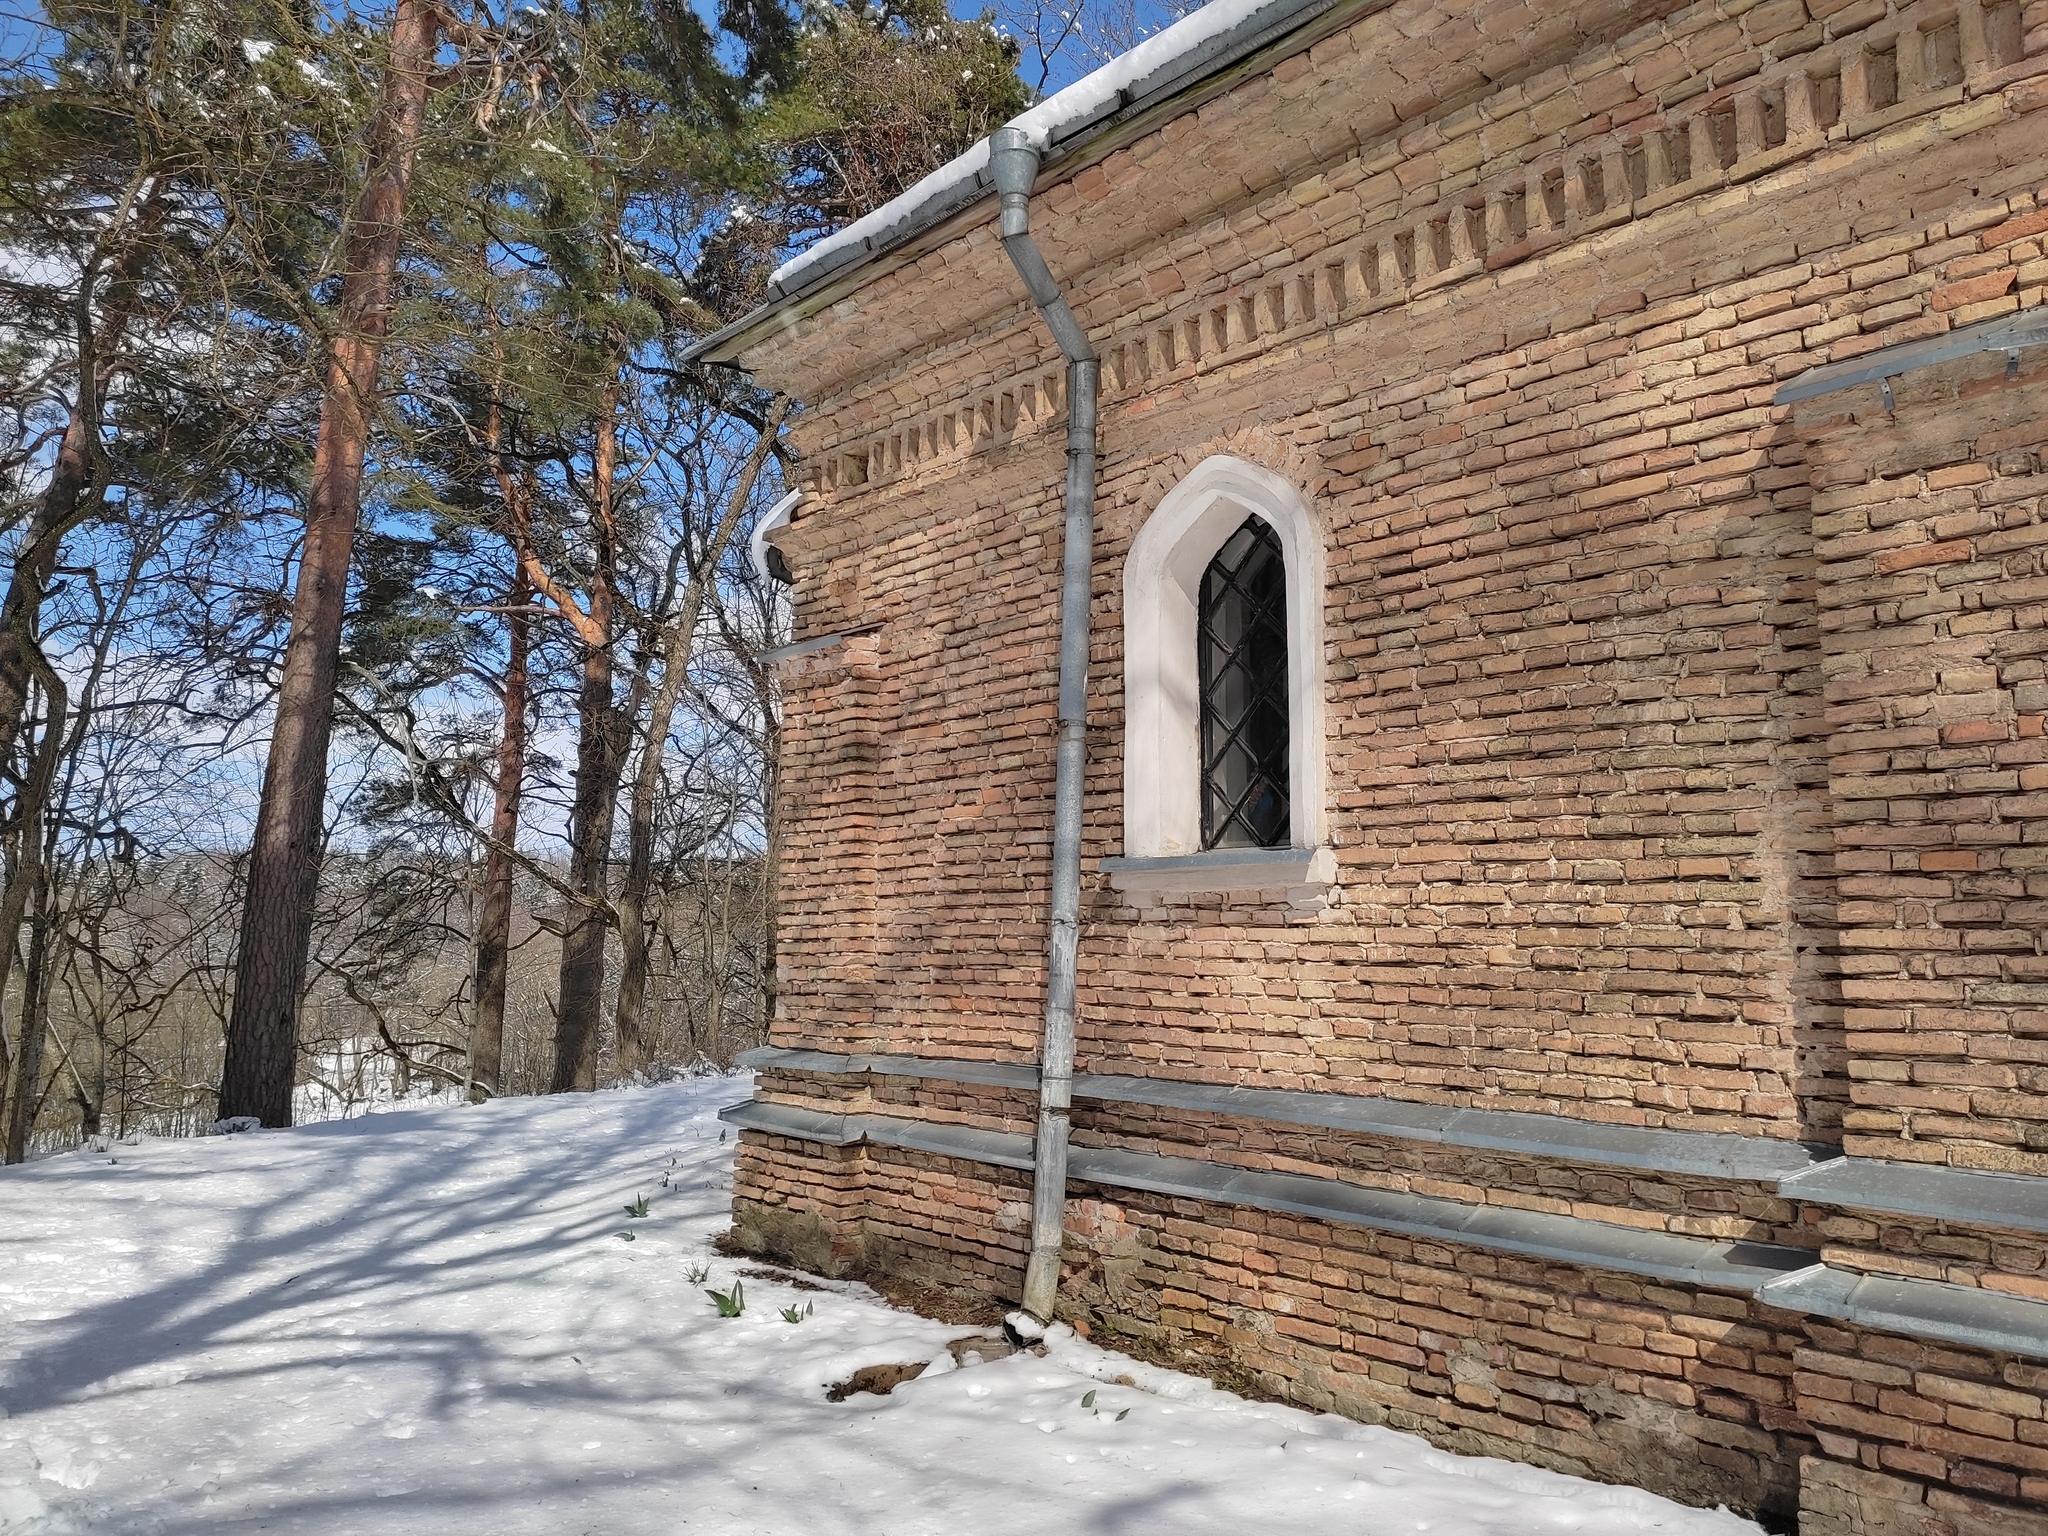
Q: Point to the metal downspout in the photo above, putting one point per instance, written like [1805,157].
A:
[1013,161]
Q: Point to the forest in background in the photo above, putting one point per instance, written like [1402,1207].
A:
[380,693]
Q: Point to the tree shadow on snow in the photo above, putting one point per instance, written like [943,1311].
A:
[429,1211]
[298,1265]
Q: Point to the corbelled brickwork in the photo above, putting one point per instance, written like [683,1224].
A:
[1686,753]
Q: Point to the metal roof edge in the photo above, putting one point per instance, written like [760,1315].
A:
[1921,1309]
[1254,45]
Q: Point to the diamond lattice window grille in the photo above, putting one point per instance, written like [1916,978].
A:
[1241,641]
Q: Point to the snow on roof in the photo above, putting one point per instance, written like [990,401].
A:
[1198,45]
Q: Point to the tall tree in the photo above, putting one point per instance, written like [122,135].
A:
[494,918]
[270,969]
[122,258]
[600,751]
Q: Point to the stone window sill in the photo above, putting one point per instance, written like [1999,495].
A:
[1225,871]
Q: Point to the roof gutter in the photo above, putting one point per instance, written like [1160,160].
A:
[1014,161]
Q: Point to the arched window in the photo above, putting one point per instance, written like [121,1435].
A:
[1241,644]
[1223,687]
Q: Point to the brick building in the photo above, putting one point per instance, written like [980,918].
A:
[1596,1010]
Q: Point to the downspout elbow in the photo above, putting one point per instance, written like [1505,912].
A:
[1013,164]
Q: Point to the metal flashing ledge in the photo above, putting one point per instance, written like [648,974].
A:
[1531,1234]
[813,647]
[2017,1202]
[998,1148]
[2010,334]
[992,1074]
[1921,1309]
[1778,1276]
[791,1120]
[1225,869]
[1708,1154]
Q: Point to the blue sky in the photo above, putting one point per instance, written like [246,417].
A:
[21,28]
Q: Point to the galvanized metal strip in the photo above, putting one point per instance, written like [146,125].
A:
[994,1074]
[2010,334]
[1921,1309]
[2017,1202]
[1533,1234]
[1002,1149]
[822,643]
[793,1121]
[1710,1154]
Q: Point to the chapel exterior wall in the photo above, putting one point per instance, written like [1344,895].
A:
[1686,756]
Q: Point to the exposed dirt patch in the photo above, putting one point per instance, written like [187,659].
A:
[980,1348]
[960,1309]
[950,1307]
[796,1280]
[878,1379]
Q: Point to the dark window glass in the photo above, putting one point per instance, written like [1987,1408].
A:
[1242,640]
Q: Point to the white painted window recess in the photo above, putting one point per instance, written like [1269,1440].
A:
[1162,688]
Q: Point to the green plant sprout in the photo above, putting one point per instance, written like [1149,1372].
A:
[730,1303]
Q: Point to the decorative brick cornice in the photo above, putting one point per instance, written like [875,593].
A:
[1935,68]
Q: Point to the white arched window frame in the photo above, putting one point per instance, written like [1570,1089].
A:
[1162,690]
[772,522]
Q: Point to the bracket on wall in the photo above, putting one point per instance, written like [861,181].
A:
[2009,334]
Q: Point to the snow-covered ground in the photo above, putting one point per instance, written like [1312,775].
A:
[430,1320]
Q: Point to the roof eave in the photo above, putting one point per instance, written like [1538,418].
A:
[1220,63]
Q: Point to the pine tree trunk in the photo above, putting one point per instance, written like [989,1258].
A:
[35,1011]
[270,964]
[28,885]
[494,922]
[494,925]
[636,936]
[580,994]
[600,751]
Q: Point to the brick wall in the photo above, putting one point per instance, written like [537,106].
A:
[1578,748]
[1931,528]
[1686,753]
